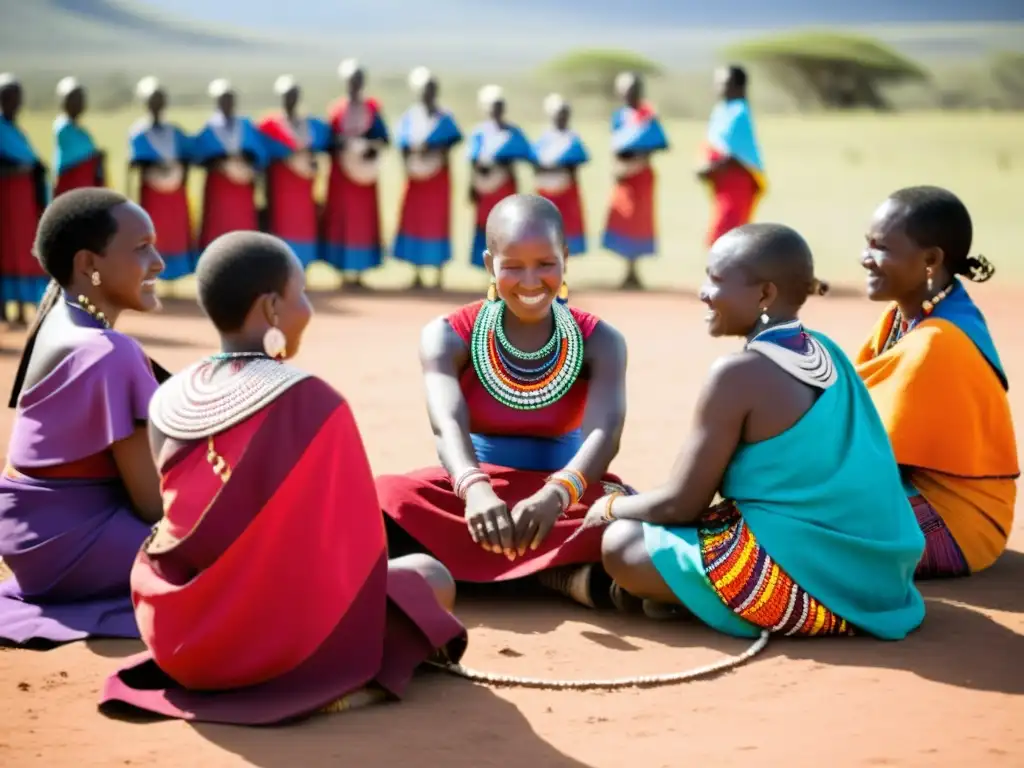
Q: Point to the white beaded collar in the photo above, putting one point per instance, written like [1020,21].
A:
[814,366]
[192,405]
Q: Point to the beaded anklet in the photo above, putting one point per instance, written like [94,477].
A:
[467,477]
[571,486]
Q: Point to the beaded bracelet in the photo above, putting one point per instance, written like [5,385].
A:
[608,514]
[563,494]
[572,481]
[467,477]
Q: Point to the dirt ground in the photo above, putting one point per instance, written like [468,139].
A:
[950,695]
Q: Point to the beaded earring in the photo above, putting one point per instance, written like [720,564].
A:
[492,291]
[563,293]
[931,286]
[764,316]
[95,278]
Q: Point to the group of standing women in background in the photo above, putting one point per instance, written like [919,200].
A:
[260,175]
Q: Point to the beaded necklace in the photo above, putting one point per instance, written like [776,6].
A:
[901,326]
[515,385]
[193,404]
[238,356]
[90,309]
[798,353]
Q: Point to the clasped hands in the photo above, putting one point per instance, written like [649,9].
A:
[512,532]
[498,529]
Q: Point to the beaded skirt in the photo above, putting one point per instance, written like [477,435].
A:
[753,585]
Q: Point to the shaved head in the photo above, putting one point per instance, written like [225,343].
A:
[523,217]
[772,253]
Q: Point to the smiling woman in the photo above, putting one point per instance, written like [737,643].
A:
[526,397]
[785,432]
[932,353]
[80,491]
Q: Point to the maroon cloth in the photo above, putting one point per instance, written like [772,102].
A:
[325,574]
[415,629]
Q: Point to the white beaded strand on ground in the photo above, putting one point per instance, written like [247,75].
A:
[638,681]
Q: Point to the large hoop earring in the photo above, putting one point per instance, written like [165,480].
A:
[563,293]
[492,291]
[274,343]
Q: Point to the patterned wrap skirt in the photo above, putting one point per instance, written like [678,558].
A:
[753,585]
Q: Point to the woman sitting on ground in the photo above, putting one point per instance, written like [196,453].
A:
[80,493]
[527,398]
[814,535]
[930,354]
[265,593]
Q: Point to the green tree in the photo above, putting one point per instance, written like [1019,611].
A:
[829,69]
[1008,73]
[592,72]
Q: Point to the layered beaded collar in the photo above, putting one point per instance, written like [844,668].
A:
[526,380]
[205,399]
[797,352]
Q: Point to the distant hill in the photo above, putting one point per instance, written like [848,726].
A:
[212,37]
[94,25]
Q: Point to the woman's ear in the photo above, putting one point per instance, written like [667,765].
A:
[84,263]
[934,258]
[489,263]
[769,293]
[270,308]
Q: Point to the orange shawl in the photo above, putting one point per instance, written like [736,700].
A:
[943,404]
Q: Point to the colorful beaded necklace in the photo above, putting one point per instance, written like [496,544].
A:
[513,384]
[901,326]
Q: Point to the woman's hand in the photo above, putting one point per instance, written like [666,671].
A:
[488,519]
[535,516]
[597,515]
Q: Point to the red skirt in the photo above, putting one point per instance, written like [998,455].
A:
[424,229]
[735,193]
[570,206]
[171,219]
[227,207]
[352,239]
[426,207]
[291,211]
[423,503]
[630,229]
[85,174]
[19,217]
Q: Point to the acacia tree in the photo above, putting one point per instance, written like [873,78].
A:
[831,70]
[592,72]
[1008,73]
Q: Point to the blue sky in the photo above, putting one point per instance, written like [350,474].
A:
[378,15]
